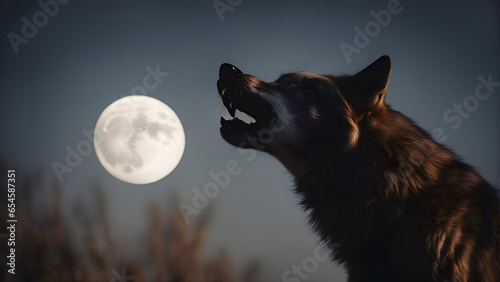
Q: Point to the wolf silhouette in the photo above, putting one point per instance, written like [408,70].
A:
[390,202]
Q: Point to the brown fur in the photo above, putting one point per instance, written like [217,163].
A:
[390,202]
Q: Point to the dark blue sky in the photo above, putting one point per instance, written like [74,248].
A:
[90,53]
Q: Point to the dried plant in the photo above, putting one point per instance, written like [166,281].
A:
[50,249]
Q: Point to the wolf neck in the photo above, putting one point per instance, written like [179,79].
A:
[381,166]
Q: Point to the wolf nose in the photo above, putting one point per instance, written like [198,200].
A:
[229,70]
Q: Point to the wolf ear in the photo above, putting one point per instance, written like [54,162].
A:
[366,90]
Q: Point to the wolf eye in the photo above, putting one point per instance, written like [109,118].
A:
[312,86]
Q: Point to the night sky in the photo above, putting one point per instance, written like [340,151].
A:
[55,84]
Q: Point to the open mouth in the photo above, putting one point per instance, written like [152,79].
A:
[258,111]
[236,99]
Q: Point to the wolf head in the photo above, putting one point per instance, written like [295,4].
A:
[301,112]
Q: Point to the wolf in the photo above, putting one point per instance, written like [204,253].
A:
[388,201]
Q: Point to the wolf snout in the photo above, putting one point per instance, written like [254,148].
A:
[229,76]
[229,85]
[228,70]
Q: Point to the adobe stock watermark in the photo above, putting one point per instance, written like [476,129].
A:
[221,179]
[372,29]
[222,7]
[149,82]
[83,148]
[302,271]
[424,149]
[470,104]
[121,277]
[48,9]
[74,157]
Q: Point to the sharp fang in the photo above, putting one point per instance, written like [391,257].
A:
[223,91]
[231,105]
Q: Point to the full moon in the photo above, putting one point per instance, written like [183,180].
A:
[139,139]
